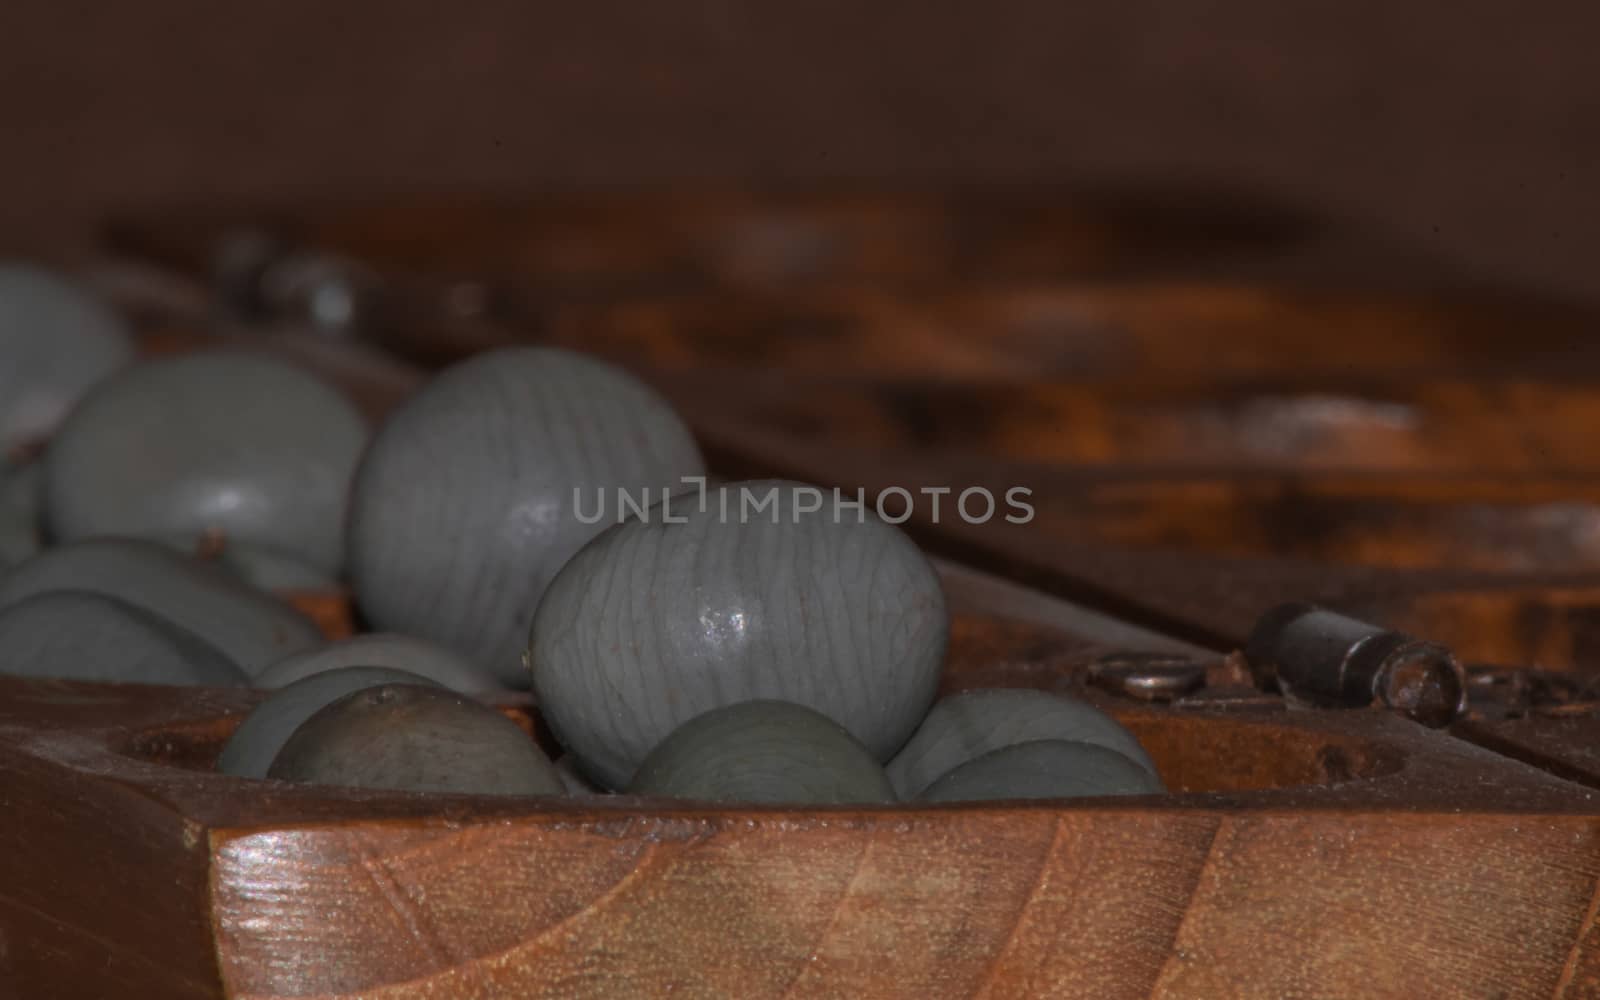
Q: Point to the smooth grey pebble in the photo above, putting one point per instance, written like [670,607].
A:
[1044,769]
[386,649]
[57,341]
[768,752]
[408,737]
[251,628]
[965,726]
[74,635]
[251,749]
[251,448]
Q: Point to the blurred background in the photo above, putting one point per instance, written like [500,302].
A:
[1262,301]
[1465,131]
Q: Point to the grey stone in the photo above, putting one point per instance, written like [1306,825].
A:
[253,747]
[407,737]
[463,507]
[763,752]
[57,340]
[251,628]
[968,725]
[385,649]
[226,443]
[1043,769]
[655,622]
[73,635]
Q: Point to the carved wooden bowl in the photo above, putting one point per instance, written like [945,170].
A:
[1291,838]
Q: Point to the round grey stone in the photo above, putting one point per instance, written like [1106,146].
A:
[19,512]
[226,443]
[73,635]
[416,656]
[1044,769]
[654,623]
[763,752]
[965,726]
[463,509]
[57,340]
[251,628]
[249,753]
[408,737]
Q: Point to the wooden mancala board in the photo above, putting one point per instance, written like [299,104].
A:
[1200,447]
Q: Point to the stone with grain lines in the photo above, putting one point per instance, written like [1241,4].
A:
[655,622]
[463,509]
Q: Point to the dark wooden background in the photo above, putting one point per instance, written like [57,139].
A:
[1471,128]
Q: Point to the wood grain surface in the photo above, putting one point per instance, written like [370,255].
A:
[1303,854]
